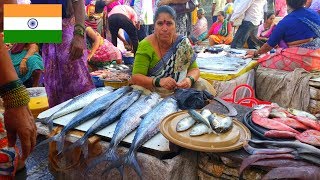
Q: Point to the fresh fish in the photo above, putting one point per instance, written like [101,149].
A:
[130,120]
[254,158]
[77,103]
[198,117]
[185,124]
[252,150]
[310,137]
[274,163]
[277,114]
[148,127]
[206,113]
[301,113]
[280,134]
[199,129]
[308,122]
[260,117]
[108,117]
[291,122]
[220,124]
[90,111]
[300,147]
[302,172]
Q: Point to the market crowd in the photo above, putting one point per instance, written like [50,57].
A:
[160,34]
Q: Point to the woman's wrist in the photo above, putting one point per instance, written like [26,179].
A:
[79,30]
[191,79]
[14,94]
[157,82]
[256,53]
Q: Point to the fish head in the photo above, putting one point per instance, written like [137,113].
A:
[213,120]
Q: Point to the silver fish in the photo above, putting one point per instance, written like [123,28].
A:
[220,124]
[108,117]
[277,114]
[206,113]
[148,127]
[185,123]
[199,129]
[198,117]
[130,120]
[77,103]
[92,110]
[301,113]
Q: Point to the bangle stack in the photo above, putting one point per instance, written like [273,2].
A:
[79,30]
[156,82]
[192,80]
[14,94]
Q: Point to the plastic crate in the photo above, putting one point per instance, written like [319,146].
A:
[97,81]
[246,101]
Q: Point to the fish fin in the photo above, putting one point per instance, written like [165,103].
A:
[131,160]
[78,143]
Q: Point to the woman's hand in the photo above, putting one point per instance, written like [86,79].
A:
[23,67]
[185,83]
[76,47]
[168,83]
[19,121]
[250,54]
[89,57]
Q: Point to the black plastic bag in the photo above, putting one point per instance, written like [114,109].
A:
[192,98]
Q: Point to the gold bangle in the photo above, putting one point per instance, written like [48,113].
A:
[16,98]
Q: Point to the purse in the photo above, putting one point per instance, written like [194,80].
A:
[184,7]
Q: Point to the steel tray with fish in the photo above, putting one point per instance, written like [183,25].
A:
[225,142]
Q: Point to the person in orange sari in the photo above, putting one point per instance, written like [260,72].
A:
[220,31]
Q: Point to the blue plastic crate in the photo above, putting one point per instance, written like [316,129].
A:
[128,60]
[97,81]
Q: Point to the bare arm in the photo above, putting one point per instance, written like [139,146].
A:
[78,8]
[308,3]
[7,72]
[195,73]
[96,38]
[143,81]
[32,48]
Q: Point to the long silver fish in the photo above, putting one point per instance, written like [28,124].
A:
[148,127]
[199,129]
[108,117]
[90,111]
[77,103]
[130,120]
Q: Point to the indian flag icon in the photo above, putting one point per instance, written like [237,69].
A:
[35,23]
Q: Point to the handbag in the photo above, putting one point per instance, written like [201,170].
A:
[184,7]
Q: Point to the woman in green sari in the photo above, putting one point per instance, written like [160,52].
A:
[165,60]
[27,63]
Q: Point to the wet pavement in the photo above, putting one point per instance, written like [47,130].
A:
[37,164]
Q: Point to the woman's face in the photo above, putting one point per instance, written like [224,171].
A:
[220,17]
[165,27]
[270,20]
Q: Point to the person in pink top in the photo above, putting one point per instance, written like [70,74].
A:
[114,3]
[124,17]
[280,8]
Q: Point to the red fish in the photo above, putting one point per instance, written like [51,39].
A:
[291,122]
[310,137]
[280,134]
[271,124]
[304,172]
[308,122]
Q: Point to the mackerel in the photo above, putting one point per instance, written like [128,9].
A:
[77,103]
[148,127]
[92,110]
[130,120]
[108,117]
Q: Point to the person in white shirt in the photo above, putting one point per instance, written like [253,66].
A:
[217,6]
[248,14]
[144,10]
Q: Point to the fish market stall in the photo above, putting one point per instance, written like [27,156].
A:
[225,69]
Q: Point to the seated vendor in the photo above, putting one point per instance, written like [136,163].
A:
[200,29]
[164,59]
[266,28]
[220,31]
[299,31]
[27,63]
[100,51]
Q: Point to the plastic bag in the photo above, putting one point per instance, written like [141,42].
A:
[192,98]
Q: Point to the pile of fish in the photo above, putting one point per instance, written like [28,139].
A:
[110,75]
[286,160]
[288,123]
[204,123]
[129,106]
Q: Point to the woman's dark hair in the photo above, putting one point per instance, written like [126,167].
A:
[269,15]
[165,9]
[295,4]
[222,13]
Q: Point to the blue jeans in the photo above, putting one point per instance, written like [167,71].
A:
[246,32]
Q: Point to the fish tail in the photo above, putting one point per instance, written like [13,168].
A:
[112,156]
[84,148]
[78,143]
[131,160]
[60,142]
[50,125]
[116,164]
[54,138]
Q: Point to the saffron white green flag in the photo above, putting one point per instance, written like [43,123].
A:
[35,23]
